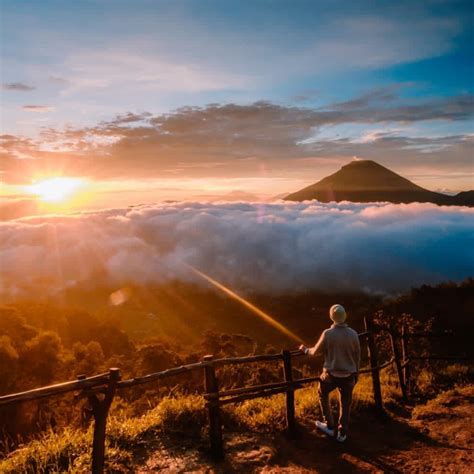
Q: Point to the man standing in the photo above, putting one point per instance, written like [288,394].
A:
[341,349]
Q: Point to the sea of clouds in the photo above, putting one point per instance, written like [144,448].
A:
[252,247]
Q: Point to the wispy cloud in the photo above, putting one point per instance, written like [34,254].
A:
[37,108]
[59,81]
[379,40]
[113,68]
[17,86]
[378,95]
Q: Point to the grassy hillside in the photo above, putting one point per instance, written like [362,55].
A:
[69,450]
[182,420]
[42,344]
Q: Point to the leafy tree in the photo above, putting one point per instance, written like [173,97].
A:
[156,358]
[14,325]
[113,340]
[41,357]
[89,358]
[8,364]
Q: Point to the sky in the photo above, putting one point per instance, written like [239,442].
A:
[151,100]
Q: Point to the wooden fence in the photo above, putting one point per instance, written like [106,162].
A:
[100,389]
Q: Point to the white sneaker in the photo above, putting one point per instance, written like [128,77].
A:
[341,437]
[324,428]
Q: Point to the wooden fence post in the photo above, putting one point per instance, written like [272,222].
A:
[86,412]
[290,393]
[373,359]
[215,428]
[100,410]
[398,363]
[406,367]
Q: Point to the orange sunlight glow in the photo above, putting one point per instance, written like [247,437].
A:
[262,314]
[55,190]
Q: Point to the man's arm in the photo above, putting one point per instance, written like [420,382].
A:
[312,351]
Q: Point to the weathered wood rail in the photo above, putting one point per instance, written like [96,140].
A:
[101,389]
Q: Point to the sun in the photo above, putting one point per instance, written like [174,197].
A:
[56,190]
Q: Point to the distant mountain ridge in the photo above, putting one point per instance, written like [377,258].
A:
[367,181]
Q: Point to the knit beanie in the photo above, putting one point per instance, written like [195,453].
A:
[337,313]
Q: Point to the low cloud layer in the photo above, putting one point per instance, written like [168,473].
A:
[276,248]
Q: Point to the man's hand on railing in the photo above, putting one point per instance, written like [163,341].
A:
[303,349]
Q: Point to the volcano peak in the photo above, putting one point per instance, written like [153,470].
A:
[369,181]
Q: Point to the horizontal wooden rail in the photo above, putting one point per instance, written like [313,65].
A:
[294,385]
[58,389]
[256,388]
[247,359]
[250,396]
[161,375]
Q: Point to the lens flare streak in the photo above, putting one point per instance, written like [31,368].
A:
[262,314]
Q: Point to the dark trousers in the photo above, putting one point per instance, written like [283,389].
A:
[345,385]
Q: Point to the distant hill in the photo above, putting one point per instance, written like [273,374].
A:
[367,181]
[465,198]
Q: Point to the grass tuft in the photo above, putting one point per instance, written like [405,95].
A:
[442,405]
[55,452]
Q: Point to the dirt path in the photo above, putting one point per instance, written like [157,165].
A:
[437,438]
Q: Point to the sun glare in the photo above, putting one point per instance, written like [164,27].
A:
[55,190]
